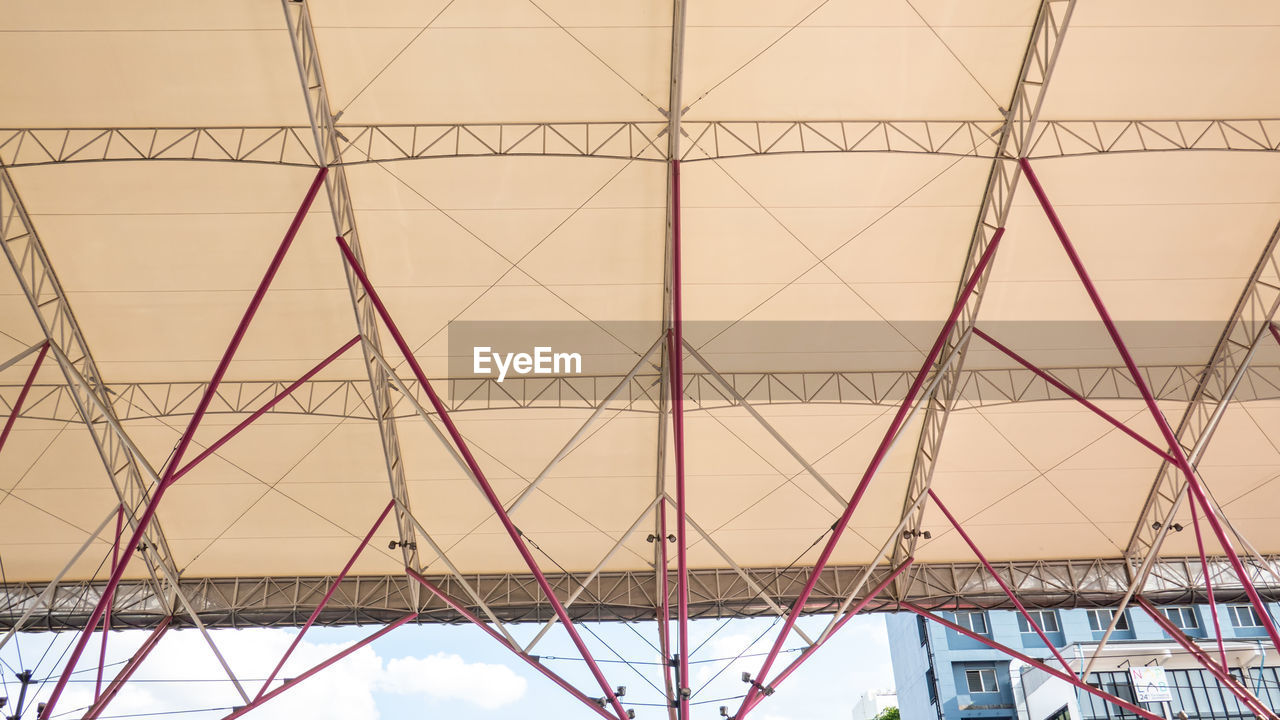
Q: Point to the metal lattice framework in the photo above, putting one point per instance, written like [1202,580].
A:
[636,140]
[690,566]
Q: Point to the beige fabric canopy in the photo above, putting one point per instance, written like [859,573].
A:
[844,163]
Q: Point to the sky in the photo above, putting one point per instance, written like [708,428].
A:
[457,672]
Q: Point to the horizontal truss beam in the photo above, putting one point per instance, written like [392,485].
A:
[627,140]
[626,595]
[350,398]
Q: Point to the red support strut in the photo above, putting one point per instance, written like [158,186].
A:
[1208,587]
[1180,457]
[166,479]
[332,659]
[996,576]
[22,396]
[496,504]
[1065,389]
[1221,673]
[325,600]
[882,451]
[532,661]
[130,667]
[1068,677]
[809,651]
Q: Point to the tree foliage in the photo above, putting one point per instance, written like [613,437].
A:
[889,713]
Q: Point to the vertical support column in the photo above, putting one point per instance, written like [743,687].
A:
[675,355]
[673,392]
[1016,137]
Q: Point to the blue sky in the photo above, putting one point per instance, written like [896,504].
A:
[459,673]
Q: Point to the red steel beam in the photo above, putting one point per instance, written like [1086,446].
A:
[330,661]
[675,356]
[996,576]
[494,502]
[106,616]
[266,407]
[1068,677]
[837,530]
[166,481]
[475,620]
[808,652]
[1193,483]
[22,396]
[1222,674]
[127,671]
[327,596]
[1208,587]
[1073,395]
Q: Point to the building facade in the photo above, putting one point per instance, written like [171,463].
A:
[873,702]
[943,675]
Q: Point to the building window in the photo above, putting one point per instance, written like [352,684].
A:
[1046,619]
[1100,620]
[932,685]
[975,621]
[981,681]
[923,629]
[1062,714]
[1183,618]
[1244,616]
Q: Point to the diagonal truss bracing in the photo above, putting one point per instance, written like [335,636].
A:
[26,255]
[1219,381]
[1015,140]
[325,135]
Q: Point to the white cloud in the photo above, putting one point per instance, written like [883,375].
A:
[347,690]
[449,677]
[184,655]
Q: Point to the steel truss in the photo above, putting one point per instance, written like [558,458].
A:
[1223,380]
[342,210]
[84,387]
[997,200]
[124,464]
[640,140]
[350,398]
[621,595]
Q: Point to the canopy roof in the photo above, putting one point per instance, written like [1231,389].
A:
[843,166]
